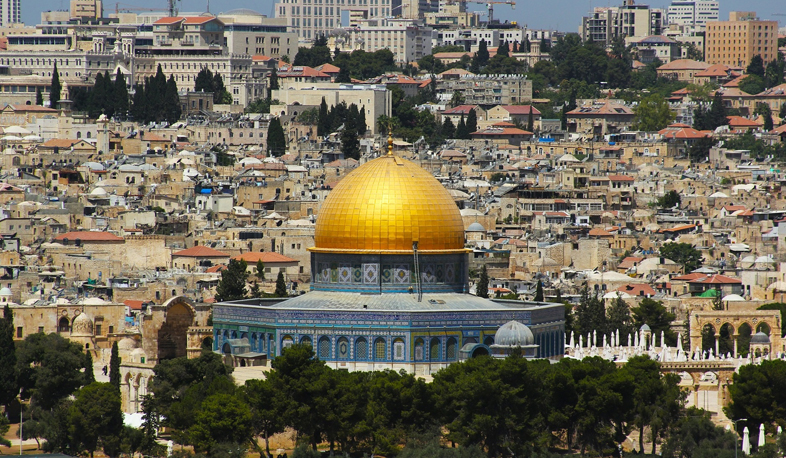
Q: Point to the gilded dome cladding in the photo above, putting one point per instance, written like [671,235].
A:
[385,205]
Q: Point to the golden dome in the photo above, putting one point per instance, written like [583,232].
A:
[385,205]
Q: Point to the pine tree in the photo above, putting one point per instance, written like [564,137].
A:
[343,75]
[255,291]
[260,270]
[539,292]
[590,313]
[618,317]
[472,122]
[89,375]
[448,129]
[114,367]
[56,87]
[9,386]
[483,283]
[276,140]
[232,285]
[281,285]
[502,50]
[39,97]
[172,109]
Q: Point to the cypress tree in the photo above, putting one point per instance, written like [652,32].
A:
[530,120]
[9,386]
[276,140]
[157,94]
[323,121]
[483,283]
[39,97]
[350,145]
[461,129]
[361,122]
[273,80]
[260,270]
[89,375]
[539,292]
[172,109]
[139,104]
[502,50]
[54,92]
[717,114]
[483,53]
[281,285]
[120,94]
[220,94]
[114,367]
[472,122]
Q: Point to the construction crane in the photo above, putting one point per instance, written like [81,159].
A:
[489,3]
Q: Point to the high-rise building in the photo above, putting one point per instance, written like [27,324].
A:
[87,9]
[312,18]
[736,41]
[628,21]
[693,14]
[10,12]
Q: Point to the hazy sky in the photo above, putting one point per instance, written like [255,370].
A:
[562,15]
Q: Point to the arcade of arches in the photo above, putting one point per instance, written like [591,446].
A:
[729,332]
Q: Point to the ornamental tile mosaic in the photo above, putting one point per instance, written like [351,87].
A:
[370,273]
[440,273]
[387,274]
[450,273]
[357,274]
[429,273]
[401,274]
[333,273]
[324,272]
[344,273]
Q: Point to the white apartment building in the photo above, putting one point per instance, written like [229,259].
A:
[408,39]
[312,18]
[248,32]
[693,14]
[10,12]
[631,21]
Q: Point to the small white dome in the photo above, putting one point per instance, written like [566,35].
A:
[476,227]
[5,291]
[127,344]
[513,334]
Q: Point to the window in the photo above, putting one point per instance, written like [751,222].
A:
[379,349]
[398,349]
[451,349]
[324,347]
[19,332]
[98,329]
[361,349]
[111,329]
[40,329]
[433,351]
[342,348]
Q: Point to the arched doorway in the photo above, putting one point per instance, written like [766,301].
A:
[708,337]
[173,335]
[479,351]
[63,325]
[207,343]
[725,343]
[744,333]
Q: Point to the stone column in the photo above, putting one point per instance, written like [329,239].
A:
[717,343]
[735,344]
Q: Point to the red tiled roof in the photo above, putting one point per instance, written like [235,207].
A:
[200,251]
[684,227]
[638,289]
[168,20]
[216,269]
[36,108]
[461,109]
[689,277]
[598,232]
[629,262]
[717,279]
[89,236]
[133,304]
[739,121]
[292,71]
[252,257]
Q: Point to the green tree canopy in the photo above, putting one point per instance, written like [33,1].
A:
[654,314]
[55,88]
[683,253]
[9,386]
[669,200]
[276,139]
[653,114]
[50,368]
[232,285]
[95,416]
[483,283]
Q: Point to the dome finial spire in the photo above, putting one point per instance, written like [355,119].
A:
[390,140]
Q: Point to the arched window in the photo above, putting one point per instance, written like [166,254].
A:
[488,341]
[380,350]
[433,350]
[286,342]
[305,340]
[324,347]
[419,349]
[450,349]
[398,349]
[361,349]
[342,348]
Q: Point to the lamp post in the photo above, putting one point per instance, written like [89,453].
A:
[736,442]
